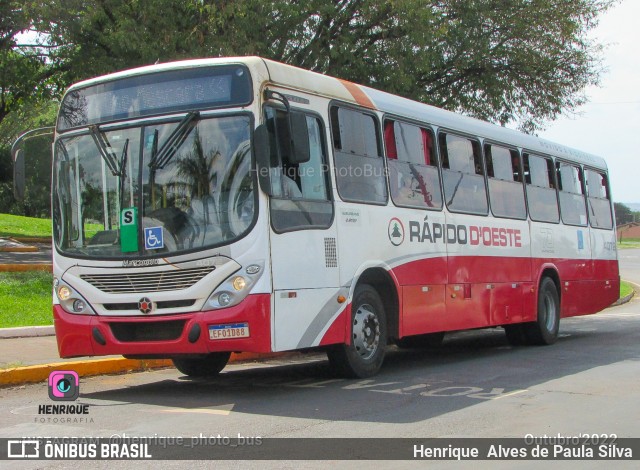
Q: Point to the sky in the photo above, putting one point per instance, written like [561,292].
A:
[609,124]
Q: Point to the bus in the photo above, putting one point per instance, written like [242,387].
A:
[205,207]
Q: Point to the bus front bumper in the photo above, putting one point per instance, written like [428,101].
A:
[244,327]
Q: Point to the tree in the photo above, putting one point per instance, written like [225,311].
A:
[507,61]
[624,214]
[26,79]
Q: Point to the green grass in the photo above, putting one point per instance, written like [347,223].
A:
[26,299]
[625,289]
[628,243]
[18,226]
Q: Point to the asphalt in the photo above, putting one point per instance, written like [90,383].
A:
[30,354]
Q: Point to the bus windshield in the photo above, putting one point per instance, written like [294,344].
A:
[181,186]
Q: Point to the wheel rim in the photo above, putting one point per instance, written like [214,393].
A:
[550,312]
[366,331]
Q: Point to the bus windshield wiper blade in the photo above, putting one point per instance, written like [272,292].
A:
[123,170]
[160,158]
[105,149]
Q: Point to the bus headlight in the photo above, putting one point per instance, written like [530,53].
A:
[239,283]
[63,292]
[224,299]
[234,289]
[70,300]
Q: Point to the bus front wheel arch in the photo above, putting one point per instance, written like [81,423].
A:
[364,354]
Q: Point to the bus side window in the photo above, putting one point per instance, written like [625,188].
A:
[541,193]
[571,195]
[413,171]
[360,171]
[505,187]
[599,200]
[463,174]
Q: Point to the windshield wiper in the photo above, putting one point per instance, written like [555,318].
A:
[105,149]
[160,158]
[123,170]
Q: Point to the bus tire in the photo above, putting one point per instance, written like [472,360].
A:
[364,355]
[207,366]
[545,329]
[426,341]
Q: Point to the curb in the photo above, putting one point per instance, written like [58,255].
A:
[40,373]
[18,249]
[627,298]
[33,239]
[623,300]
[27,331]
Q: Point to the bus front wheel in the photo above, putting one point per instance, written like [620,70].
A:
[364,355]
[207,366]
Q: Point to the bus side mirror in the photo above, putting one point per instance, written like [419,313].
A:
[261,149]
[18,174]
[301,152]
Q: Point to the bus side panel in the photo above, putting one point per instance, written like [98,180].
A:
[422,284]
[507,302]
[467,306]
[302,317]
[423,310]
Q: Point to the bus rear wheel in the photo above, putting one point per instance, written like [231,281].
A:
[364,355]
[545,329]
[207,366]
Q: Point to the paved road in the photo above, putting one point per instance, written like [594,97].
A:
[630,265]
[474,386]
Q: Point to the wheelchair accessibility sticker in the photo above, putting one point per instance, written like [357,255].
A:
[153,239]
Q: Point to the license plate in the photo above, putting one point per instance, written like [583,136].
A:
[230,331]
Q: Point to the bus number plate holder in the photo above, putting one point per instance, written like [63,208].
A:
[229,331]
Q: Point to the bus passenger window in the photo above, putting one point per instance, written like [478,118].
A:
[599,200]
[413,174]
[571,196]
[463,174]
[541,193]
[360,171]
[505,187]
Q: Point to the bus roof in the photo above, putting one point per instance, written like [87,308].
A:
[322,85]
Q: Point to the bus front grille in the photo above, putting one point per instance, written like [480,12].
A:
[128,332]
[155,281]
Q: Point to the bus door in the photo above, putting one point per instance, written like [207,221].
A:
[304,263]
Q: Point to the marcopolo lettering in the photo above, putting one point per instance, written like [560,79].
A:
[474,235]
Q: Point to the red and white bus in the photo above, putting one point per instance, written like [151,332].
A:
[239,204]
